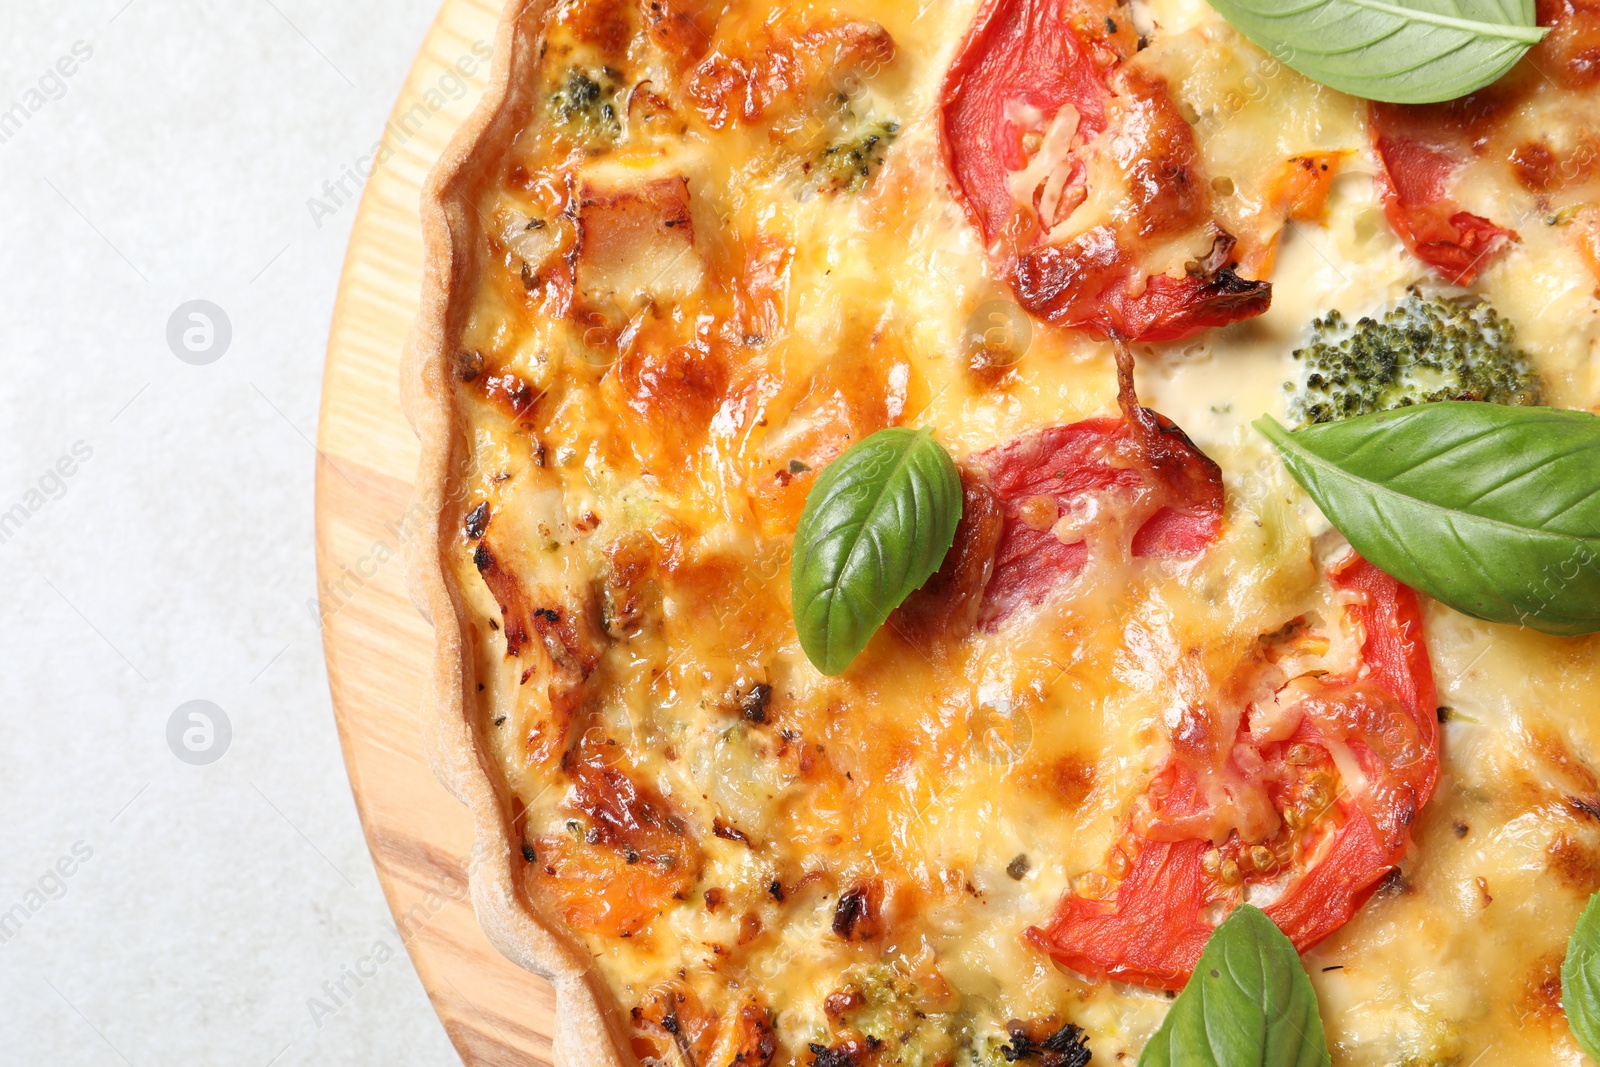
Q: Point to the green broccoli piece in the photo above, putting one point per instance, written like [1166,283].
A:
[846,164]
[584,106]
[906,1036]
[1425,349]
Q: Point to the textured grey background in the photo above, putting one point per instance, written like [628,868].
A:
[174,562]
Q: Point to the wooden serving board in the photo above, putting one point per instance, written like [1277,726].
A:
[378,647]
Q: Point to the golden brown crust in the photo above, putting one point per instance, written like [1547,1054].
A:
[588,1029]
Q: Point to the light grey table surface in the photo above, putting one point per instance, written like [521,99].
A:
[173,889]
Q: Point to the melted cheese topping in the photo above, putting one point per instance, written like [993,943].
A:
[681,316]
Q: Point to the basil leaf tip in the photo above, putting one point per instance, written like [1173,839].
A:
[1492,510]
[1249,1002]
[1400,51]
[876,525]
[1580,980]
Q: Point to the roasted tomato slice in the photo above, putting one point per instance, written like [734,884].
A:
[1039,116]
[1134,486]
[1420,148]
[946,608]
[1531,118]
[1306,810]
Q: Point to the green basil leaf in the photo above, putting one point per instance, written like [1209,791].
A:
[1404,51]
[1249,1003]
[1493,510]
[1580,980]
[876,525]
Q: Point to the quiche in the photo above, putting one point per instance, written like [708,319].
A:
[689,254]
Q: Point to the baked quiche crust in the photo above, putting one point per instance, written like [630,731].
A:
[588,1030]
[1197,270]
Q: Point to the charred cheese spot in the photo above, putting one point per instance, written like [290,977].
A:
[669,397]
[1571,51]
[682,29]
[1575,863]
[1542,999]
[1068,779]
[767,71]
[844,400]
[608,25]
[747,1037]
[671,1021]
[629,858]
[632,587]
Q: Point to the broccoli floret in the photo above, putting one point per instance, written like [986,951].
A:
[584,106]
[846,165]
[1424,349]
[889,1011]
[893,1013]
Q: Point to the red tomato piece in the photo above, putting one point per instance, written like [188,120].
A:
[1090,283]
[1137,479]
[946,608]
[1420,148]
[1047,76]
[1021,56]
[1344,787]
